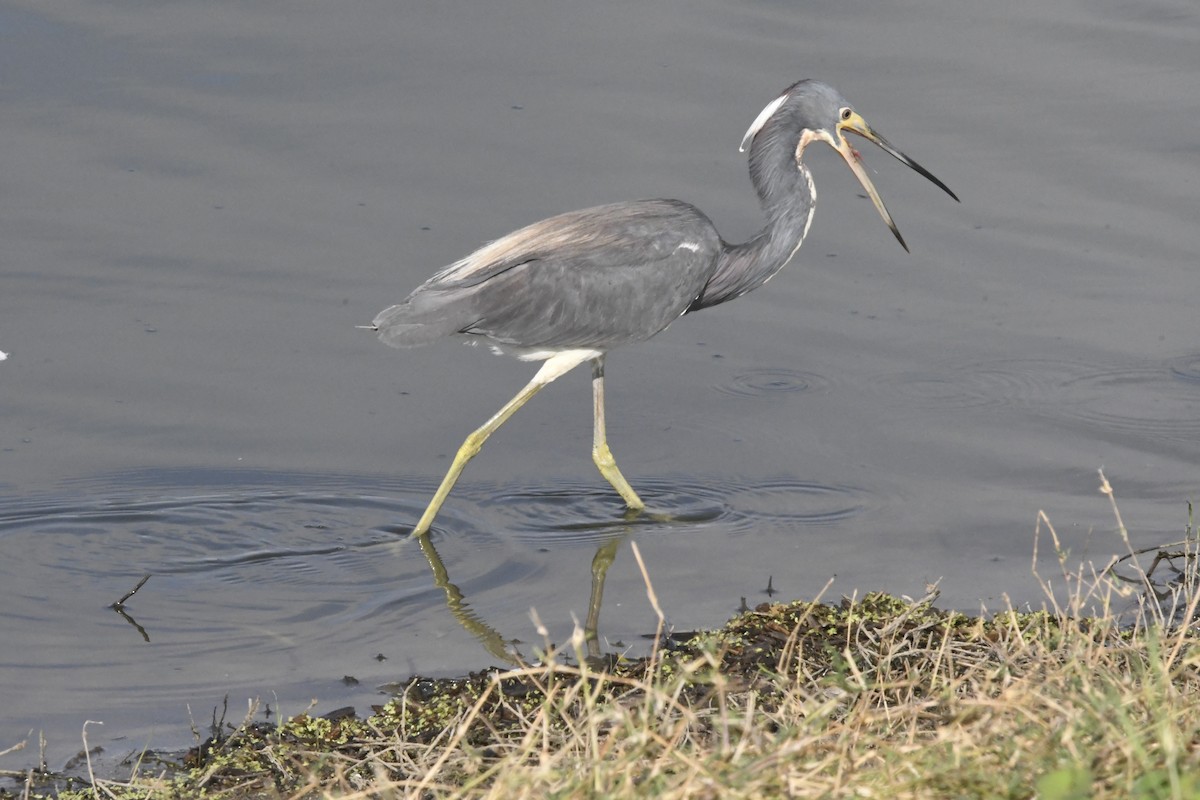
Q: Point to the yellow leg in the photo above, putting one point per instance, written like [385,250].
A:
[600,452]
[554,367]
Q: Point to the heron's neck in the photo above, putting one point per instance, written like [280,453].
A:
[785,190]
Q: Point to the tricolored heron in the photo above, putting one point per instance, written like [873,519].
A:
[572,287]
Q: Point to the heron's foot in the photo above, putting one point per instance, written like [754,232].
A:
[664,517]
[423,525]
[608,468]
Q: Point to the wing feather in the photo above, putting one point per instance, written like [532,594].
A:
[595,278]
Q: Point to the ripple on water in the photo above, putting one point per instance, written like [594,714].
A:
[1006,382]
[774,380]
[587,513]
[252,557]
[1153,399]
[1156,400]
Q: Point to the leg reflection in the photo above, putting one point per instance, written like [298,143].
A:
[603,559]
[488,636]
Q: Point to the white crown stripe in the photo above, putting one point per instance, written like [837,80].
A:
[761,120]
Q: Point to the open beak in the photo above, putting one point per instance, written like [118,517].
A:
[856,124]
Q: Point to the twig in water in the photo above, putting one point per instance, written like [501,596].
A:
[120,604]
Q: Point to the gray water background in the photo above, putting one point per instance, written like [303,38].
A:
[199,201]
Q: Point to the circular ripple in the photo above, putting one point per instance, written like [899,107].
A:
[1007,382]
[798,504]
[270,555]
[760,382]
[590,513]
[1153,401]
[1159,400]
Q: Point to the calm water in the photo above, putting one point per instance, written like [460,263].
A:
[200,203]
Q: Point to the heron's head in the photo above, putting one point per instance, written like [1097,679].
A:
[811,111]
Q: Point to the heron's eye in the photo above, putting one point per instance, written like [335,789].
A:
[846,114]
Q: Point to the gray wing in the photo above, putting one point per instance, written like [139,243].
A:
[595,278]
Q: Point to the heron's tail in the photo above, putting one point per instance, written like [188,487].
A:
[411,325]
